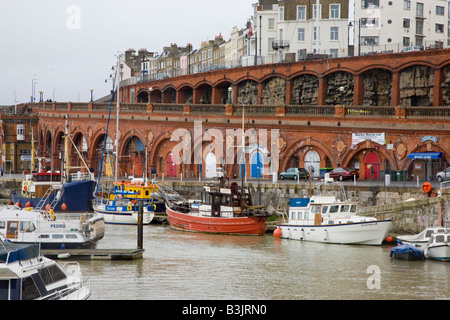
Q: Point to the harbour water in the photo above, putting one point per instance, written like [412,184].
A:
[192,266]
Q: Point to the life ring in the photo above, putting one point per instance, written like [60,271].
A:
[129,207]
[426,187]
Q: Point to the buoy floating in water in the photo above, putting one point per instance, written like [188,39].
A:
[388,239]
[277,233]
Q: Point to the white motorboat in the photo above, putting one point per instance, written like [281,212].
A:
[26,275]
[421,239]
[27,225]
[122,211]
[328,220]
[439,247]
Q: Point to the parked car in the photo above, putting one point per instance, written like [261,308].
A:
[412,48]
[294,173]
[443,175]
[343,173]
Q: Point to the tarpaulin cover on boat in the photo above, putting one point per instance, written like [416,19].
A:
[405,248]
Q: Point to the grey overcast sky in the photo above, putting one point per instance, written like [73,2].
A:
[70,46]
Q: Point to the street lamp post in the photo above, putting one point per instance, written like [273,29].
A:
[341,89]
[150,89]
[92,95]
[230,92]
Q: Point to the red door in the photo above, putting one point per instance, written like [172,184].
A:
[372,166]
[171,167]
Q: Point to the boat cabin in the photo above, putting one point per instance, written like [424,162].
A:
[319,211]
[25,275]
[35,185]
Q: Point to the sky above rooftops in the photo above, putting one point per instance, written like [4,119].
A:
[65,48]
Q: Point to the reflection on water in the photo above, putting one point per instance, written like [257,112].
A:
[182,265]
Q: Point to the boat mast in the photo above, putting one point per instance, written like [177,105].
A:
[117,120]
[243,159]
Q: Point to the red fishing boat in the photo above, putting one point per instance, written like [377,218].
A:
[221,210]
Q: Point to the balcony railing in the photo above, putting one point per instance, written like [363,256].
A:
[330,111]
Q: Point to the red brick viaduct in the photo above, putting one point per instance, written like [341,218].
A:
[372,113]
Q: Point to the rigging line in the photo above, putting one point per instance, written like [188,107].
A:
[107,127]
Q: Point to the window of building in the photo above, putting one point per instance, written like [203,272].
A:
[271,40]
[439,28]
[335,11]
[21,132]
[407,4]
[370,41]
[271,24]
[301,13]
[419,9]
[369,22]
[440,11]
[406,41]
[406,23]
[334,33]
[419,27]
[301,34]
[368,4]
[315,11]
[315,34]
[281,13]
[334,53]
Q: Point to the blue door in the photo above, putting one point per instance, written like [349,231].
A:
[257,165]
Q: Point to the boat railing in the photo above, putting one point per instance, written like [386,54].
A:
[81,176]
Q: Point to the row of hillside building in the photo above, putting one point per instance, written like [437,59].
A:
[294,30]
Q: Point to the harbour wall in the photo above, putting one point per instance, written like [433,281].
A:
[410,208]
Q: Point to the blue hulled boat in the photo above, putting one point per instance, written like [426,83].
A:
[40,189]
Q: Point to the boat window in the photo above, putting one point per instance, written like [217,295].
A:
[440,238]
[299,215]
[44,236]
[324,209]
[330,221]
[147,192]
[57,236]
[345,208]
[51,274]
[29,289]
[353,208]
[306,215]
[334,209]
[27,226]
[12,227]
[71,236]
[2,224]
[227,200]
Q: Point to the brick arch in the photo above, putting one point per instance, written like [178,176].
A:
[185,93]
[159,150]
[203,92]
[333,94]
[125,164]
[93,142]
[350,154]
[424,148]
[298,92]
[303,143]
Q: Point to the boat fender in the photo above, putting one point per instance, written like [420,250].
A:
[277,232]
[25,188]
